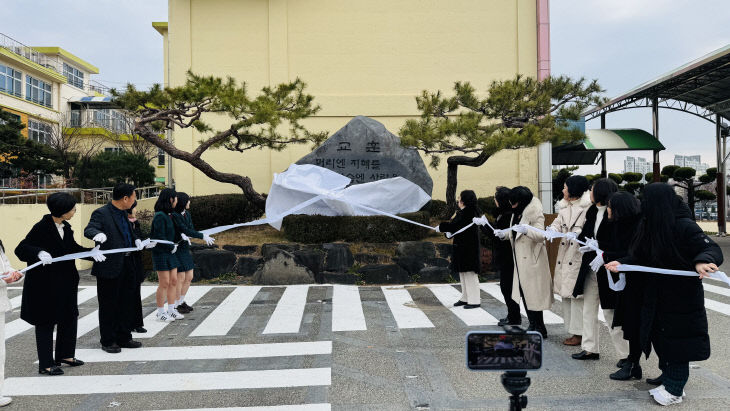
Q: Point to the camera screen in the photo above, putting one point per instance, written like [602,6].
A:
[500,351]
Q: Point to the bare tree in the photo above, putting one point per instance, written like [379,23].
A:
[123,136]
[73,144]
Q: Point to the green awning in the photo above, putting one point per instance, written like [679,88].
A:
[621,139]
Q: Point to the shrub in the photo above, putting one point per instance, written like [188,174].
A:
[222,209]
[370,229]
[435,207]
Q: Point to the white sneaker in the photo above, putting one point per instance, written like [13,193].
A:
[653,390]
[165,317]
[5,401]
[662,397]
[175,314]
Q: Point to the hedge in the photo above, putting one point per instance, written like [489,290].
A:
[435,207]
[314,229]
[222,209]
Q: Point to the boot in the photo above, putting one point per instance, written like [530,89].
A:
[628,371]
[656,381]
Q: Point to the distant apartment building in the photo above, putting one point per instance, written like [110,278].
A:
[691,161]
[637,165]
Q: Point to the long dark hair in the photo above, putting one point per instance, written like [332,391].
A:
[182,202]
[502,197]
[469,199]
[521,196]
[623,205]
[163,201]
[655,240]
[602,189]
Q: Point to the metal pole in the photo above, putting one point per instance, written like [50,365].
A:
[655,130]
[721,211]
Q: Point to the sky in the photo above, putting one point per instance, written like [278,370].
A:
[621,43]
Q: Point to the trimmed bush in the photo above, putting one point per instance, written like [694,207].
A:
[435,207]
[315,229]
[222,209]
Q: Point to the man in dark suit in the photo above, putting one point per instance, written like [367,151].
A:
[115,280]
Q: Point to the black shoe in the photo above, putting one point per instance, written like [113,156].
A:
[507,321]
[111,349]
[186,306]
[182,310]
[73,363]
[130,344]
[140,330]
[656,381]
[584,355]
[539,328]
[459,303]
[52,371]
[621,362]
[468,306]
[628,371]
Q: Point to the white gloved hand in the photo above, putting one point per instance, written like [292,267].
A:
[597,262]
[571,235]
[521,228]
[185,238]
[592,243]
[139,244]
[150,244]
[208,239]
[501,234]
[45,257]
[551,233]
[98,256]
[437,229]
[100,238]
[585,249]
[174,249]
[480,220]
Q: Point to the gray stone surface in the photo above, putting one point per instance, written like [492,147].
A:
[367,258]
[282,269]
[247,266]
[437,262]
[365,151]
[269,250]
[212,263]
[419,249]
[339,278]
[384,274]
[242,249]
[338,258]
[410,263]
[445,250]
[434,275]
[312,259]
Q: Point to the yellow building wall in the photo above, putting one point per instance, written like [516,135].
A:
[358,58]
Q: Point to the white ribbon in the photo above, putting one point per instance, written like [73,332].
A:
[717,275]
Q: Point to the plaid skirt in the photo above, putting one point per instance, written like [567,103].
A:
[164,260]
[184,258]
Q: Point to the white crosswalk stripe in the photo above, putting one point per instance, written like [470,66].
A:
[448,295]
[90,321]
[153,326]
[221,320]
[405,311]
[287,316]
[494,290]
[347,314]
[295,407]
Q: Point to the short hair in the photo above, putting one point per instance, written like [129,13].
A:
[122,190]
[577,186]
[623,205]
[602,189]
[182,202]
[520,195]
[163,201]
[502,197]
[60,203]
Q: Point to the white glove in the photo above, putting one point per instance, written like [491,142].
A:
[437,229]
[150,243]
[98,256]
[571,235]
[597,262]
[551,233]
[208,239]
[502,234]
[592,243]
[100,238]
[139,244]
[186,238]
[521,228]
[480,220]
[45,257]
[174,249]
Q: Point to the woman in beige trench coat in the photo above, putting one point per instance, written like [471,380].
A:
[531,273]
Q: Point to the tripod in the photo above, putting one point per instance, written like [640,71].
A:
[516,383]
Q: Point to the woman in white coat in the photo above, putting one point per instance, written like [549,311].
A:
[10,276]
[532,278]
[576,201]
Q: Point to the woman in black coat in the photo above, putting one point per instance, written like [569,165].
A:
[466,258]
[673,317]
[49,293]
[502,256]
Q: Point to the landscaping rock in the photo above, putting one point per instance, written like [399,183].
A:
[268,250]
[212,263]
[247,266]
[437,262]
[419,249]
[242,249]
[445,250]
[365,258]
[338,258]
[198,247]
[282,269]
[384,274]
[312,259]
[434,275]
[378,248]
[411,264]
[339,278]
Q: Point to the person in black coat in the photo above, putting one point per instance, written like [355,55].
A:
[673,317]
[138,321]
[50,290]
[502,256]
[115,278]
[466,257]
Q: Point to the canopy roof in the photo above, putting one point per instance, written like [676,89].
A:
[599,140]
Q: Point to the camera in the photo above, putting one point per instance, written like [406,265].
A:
[513,351]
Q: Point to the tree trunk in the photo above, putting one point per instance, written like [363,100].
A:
[453,163]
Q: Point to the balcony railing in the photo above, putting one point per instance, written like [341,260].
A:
[83,196]
[32,55]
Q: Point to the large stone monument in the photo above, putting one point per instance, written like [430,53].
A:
[364,151]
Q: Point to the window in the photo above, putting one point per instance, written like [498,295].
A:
[102,117]
[118,122]
[75,118]
[74,76]
[38,91]
[39,132]
[160,157]
[113,149]
[11,81]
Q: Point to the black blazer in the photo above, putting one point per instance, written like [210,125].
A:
[49,291]
[605,239]
[103,221]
